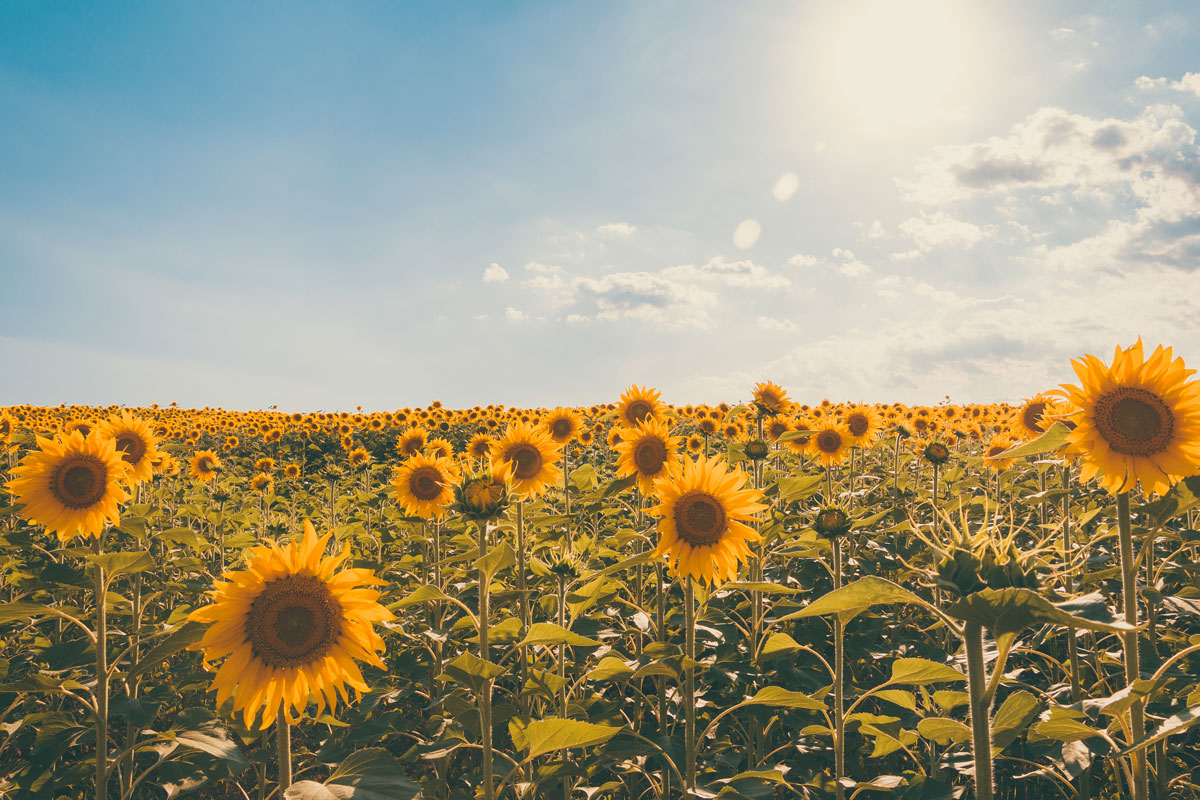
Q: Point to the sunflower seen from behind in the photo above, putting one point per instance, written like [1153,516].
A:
[424,485]
[72,485]
[289,628]
[702,514]
[1136,420]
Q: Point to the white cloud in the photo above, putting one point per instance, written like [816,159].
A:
[747,234]
[1062,33]
[786,186]
[623,229]
[495,274]
[745,274]
[803,260]
[649,297]
[848,264]
[1189,83]
[551,280]
[929,231]
[772,324]
[515,315]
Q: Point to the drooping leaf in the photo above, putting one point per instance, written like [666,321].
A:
[370,774]
[1014,715]
[778,697]
[944,731]
[1007,612]
[547,633]
[555,733]
[500,557]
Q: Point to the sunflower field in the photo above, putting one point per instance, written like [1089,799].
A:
[761,599]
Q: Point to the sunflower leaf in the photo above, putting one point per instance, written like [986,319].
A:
[555,733]
[549,633]
[370,774]
[862,594]
[499,558]
[1053,439]
[921,671]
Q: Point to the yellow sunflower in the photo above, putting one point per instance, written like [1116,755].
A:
[412,441]
[359,458]
[649,451]
[1136,420]
[203,465]
[864,424]
[262,483]
[770,400]
[6,427]
[136,443]
[289,627]
[291,471]
[998,444]
[439,448]
[531,454]
[1027,422]
[480,445]
[424,485]
[563,424]
[830,443]
[264,464]
[638,403]
[72,485]
[701,519]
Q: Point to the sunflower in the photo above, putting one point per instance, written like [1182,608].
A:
[424,485]
[701,519]
[777,427]
[291,471]
[412,441]
[264,464]
[638,403]
[483,496]
[166,466]
[1027,422]
[439,448]
[359,458]
[649,451]
[830,443]
[586,437]
[863,423]
[1136,420]
[262,483]
[72,485]
[694,443]
[289,627]
[480,445]
[531,454]
[770,400]
[563,425]
[136,442]
[6,427]
[231,442]
[203,465]
[998,444]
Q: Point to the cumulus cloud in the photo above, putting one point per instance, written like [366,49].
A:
[847,264]
[622,229]
[744,274]
[747,234]
[646,296]
[772,324]
[1189,83]
[929,231]
[802,260]
[495,273]
[550,280]
[515,315]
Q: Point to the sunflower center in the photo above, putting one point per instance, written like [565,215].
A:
[132,447]
[649,455]
[858,424]
[995,450]
[561,428]
[526,460]
[1032,416]
[204,465]
[1134,421]
[638,410]
[79,482]
[425,483]
[829,441]
[700,518]
[294,621]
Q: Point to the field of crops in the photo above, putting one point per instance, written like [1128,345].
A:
[765,599]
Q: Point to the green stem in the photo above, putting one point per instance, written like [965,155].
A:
[283,739]
[661,606]
[101,679]
[485,699]
[689,684]
[839,697]
[981,737]
[1137,718]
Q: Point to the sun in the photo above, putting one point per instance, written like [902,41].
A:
[889,65]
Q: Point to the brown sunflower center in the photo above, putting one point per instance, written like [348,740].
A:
[425,483]
[561,428]
[1134,421]
[700,519]
[204,465]
[709,426]
[649,455]
[829,441]
[412,445]
[638,410]
[80,481]
[294,621]
[526,460]
[858,424]
[995,450]
[131,446]
[1032,416]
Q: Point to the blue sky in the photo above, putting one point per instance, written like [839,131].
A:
[300,204]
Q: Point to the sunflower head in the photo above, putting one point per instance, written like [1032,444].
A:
[830,443]
[531,456]
[359,458]
[757,450]
[204,465]
[647,451]
[1136,420]
[770,400]
[289,628]
[702,514]
[638,403]
[72,485]
[831,522]
[136,442]
[563,425]
[485,495]
[424,485]
[936,453]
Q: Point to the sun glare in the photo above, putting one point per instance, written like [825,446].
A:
[898,65]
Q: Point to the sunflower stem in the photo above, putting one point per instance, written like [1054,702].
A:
[839,688]
[1137,719]
[1085,777]
[981,737]
[485,699]
[689,683]
[283,739]
[101,679]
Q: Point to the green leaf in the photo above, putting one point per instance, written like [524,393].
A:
[921,671]
[584,477]
[1007,612]
[423,594]
[371,774]
[1183,497]
[554,733]
[943,731]
[20,612]
[189,634]
[470,670]
[900,697]
[779,644]
[948,699]
[798,487]
[1177,723]
[609,668]
[778,697]
[1064,729]
[1053,439]
[499,558]
[863,593]
[1013,716]
[125,563]
[183,536]
[548,633]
